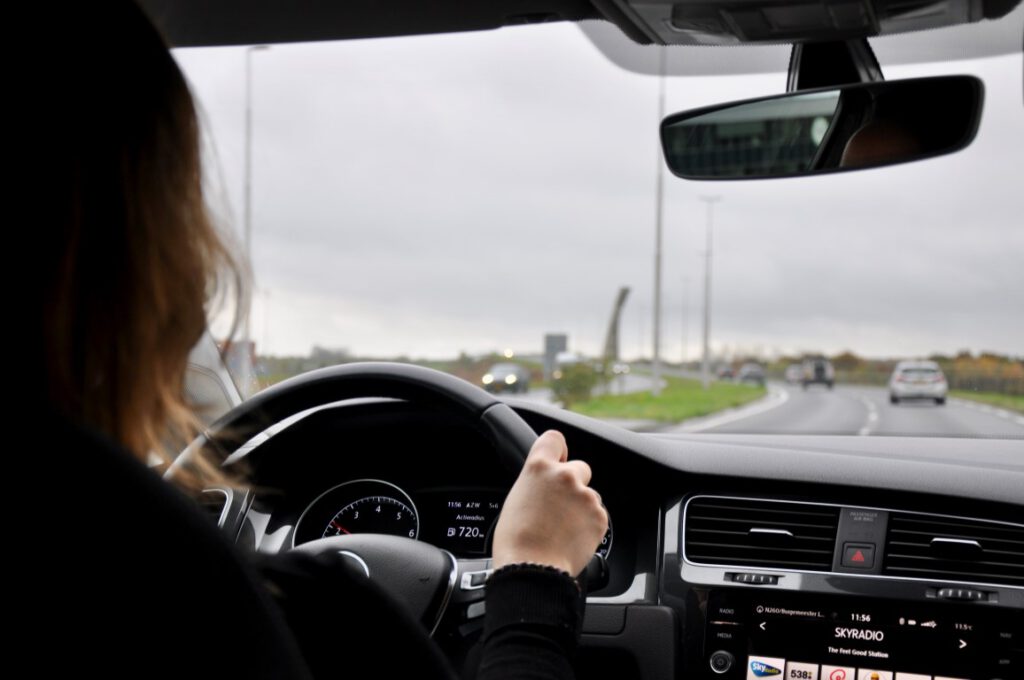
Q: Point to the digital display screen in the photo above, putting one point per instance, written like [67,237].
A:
[802,637]
[461,521]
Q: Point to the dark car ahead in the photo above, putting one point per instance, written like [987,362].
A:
[818,371]
[506,377]
[751,373]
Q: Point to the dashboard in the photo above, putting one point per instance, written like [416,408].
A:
[733,557]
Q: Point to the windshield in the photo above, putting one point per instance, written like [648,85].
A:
[468,200]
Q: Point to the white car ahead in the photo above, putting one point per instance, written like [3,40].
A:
[918,380]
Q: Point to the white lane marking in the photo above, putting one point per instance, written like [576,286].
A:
[777,396]
[1002,413]
[872,417]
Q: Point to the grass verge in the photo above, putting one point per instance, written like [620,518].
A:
[681,399]
[1008,401]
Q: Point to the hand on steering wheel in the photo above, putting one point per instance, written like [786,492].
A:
[550,517]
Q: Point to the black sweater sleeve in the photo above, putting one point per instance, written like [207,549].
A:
[339,618]
[534,615]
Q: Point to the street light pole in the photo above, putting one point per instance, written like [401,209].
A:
[705,367]
[659,199]
[247,330]
[686,318]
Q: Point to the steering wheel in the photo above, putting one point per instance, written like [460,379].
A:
[427,579]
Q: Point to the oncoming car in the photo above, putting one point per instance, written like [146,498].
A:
[506,377]
[418,182]
[918,380]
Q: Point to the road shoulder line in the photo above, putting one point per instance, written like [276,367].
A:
[777,396]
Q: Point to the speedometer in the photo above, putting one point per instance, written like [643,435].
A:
[365,506]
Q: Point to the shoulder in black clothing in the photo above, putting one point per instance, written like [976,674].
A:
[127,577]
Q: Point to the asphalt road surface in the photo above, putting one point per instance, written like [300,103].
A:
[865,411]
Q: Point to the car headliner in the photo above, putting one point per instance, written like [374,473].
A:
[193,23]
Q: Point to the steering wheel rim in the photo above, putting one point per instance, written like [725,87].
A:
[428,577]
[511,436]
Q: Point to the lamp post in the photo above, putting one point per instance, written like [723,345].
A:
[247,330]
[659,199]
[705,367]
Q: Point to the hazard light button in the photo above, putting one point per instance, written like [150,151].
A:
[859,555]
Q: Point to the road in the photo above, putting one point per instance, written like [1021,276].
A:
[860,410]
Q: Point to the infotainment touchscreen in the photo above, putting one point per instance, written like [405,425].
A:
[800,637]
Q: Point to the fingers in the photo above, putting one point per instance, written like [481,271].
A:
[550,446]
[580,470]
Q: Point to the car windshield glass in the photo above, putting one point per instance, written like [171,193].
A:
[468,200]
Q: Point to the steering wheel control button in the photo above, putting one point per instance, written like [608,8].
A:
[475,580]
[476,610]
[858,555]
[721,661]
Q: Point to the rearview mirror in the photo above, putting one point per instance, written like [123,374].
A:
[810,132]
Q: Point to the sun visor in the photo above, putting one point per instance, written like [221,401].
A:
[733,22]
[987,38]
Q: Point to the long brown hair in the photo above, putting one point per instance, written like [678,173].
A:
[134,260]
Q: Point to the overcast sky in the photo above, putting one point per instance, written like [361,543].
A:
[427,195]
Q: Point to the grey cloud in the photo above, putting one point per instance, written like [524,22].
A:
[428,195]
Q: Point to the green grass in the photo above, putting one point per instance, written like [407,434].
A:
[681,399]
[1007,401]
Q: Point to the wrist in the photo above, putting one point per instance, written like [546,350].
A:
[500,561]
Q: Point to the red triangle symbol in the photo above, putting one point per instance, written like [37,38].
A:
[857,557]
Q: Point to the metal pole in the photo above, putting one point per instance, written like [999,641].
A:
[705,367]
[247,330]
[659,199]
[686,319]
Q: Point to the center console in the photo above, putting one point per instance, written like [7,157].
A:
[751,635]
[790,589]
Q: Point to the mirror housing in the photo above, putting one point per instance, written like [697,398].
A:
[834,129]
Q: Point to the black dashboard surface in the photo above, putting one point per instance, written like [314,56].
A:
[653,598]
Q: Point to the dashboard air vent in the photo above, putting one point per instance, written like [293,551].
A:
[953,548]
[760,533]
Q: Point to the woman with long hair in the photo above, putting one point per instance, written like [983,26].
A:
[127,266]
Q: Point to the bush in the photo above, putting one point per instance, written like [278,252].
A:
[576,384]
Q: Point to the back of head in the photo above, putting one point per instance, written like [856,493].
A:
[128,257]
[879,142]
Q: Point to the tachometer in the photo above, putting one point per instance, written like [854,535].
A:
[604,548]
[374,515]
[360,507]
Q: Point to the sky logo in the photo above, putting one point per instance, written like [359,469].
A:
[763,670]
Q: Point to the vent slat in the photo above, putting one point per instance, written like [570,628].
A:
[909,550]
[718,531]
[946,534]
[926,546]
[763,521]
[949,575]
[793,513]
[746,546]
[694,530]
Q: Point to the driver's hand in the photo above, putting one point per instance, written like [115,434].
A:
[550,516]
